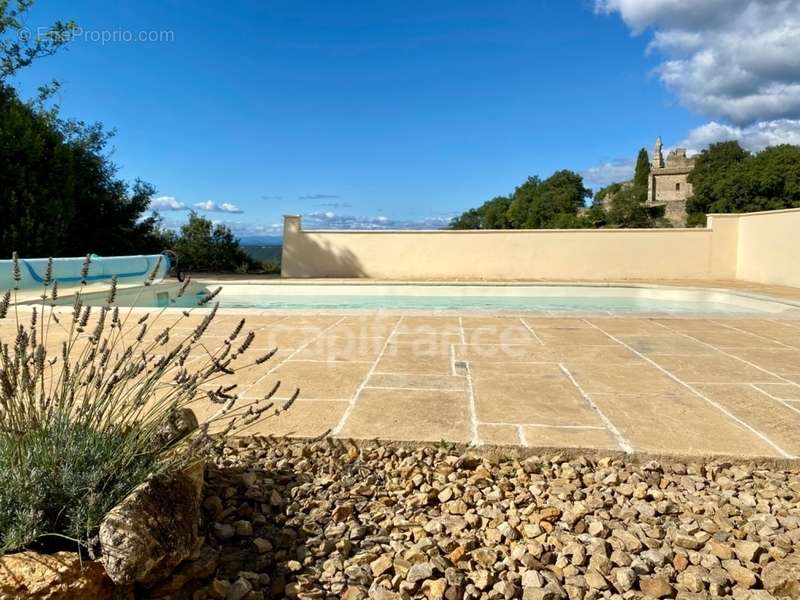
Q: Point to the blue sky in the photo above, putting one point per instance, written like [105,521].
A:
[382,113]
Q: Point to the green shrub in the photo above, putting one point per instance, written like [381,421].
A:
[80,429]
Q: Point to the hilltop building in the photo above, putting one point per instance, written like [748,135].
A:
[669,186]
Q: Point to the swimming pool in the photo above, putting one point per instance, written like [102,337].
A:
[619,298]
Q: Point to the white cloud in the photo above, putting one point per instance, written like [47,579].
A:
[225,207]
[609,172]
[166,203]
[229,208]
[679,14]
[738,60]
[331,220]
[753,137]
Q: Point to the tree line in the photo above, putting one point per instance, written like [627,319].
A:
[559,202]
[726,179]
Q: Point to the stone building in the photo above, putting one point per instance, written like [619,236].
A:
[668,186]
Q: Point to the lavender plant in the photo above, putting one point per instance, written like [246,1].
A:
[81,427]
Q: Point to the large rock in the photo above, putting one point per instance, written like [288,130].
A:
[782,577]
[59,576]
[154,529]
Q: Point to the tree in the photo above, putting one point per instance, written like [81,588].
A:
[470,219]
[713,171]
[494,213]
[727,178]
[552,203]
[521,201]
[205,246]
[59,194]
[627,209]
[642,173]
[562,193]
[19,47]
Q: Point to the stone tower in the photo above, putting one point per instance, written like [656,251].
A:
[668,185]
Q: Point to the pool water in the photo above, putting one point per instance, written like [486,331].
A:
[565,304]
[482,297]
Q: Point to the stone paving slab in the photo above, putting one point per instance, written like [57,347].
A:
[656,384]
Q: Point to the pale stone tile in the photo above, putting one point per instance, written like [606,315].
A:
[549,437]
[784,391]
[607,355]
[364,326]
[472,322]
[504,353]
[410,416]
[498,435]
[730,338]
[542,395]
[427,325]
[513,333]
[778,422]
[305,418]
[436,339]
[774,330]
[574,337]
[336,348]
[712,369]
[316,380]
[688,325]
[417,381]
[666,344]
[415,358]
[618,326]
[537,323]
[623,379]
[775,360]
[679,424]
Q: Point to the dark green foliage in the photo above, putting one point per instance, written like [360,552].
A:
[59,195]
[204,246]
[627,209]
[536,204]
[609,190]
[269,256]
[642,173]
[521,201]
[470,219]
[727,179]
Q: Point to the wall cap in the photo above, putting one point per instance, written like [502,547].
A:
[760,212]
[666,230]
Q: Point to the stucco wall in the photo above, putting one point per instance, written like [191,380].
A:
[761,247]
[533,254]
[768,245]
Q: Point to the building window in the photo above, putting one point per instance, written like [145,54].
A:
[677,187]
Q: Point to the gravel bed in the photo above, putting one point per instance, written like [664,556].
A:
[334,520]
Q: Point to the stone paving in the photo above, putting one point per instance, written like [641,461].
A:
[657,384]
[677,385]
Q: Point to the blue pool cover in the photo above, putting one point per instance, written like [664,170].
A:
[67,271]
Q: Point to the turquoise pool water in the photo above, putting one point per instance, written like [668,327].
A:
[564,304]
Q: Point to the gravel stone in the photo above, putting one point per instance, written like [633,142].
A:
[330,520]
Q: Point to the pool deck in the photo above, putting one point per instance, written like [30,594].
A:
[651,384]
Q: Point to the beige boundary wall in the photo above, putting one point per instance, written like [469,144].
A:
[767,245]
[731,246]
